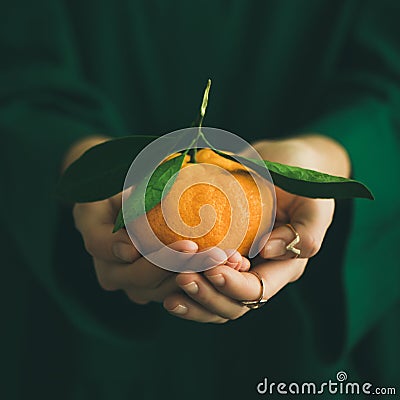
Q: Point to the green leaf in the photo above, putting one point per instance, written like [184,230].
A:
[162,178]
[134,205]
[100,172]
[306,182]
[119,221]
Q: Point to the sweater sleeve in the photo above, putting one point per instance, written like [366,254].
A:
[360,109]
[46,105]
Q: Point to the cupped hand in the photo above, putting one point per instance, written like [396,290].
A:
[118,264]
[309,217]
[216,295]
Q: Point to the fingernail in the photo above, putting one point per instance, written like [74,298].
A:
[179,309]
[274,248]
[123,251]
[191,288]
[216,280]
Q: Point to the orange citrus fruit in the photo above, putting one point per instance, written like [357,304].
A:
[213,202]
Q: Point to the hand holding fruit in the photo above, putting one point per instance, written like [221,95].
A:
[214,295]
[300,168]
[119,266]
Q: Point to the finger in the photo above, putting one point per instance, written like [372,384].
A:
[203,293]
[234,284]
[245,265]
[166,288]
[310,219]
[237,261]
[125,252]
[203,260]
[246,286]
[234,259]
[175,257]
[141,274]
[182,306]
[95,222]
[144,296]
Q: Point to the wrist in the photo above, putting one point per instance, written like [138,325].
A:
[312,151]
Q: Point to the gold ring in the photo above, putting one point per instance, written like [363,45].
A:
[254,304]
[296,240]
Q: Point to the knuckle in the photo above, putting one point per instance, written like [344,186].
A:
[77,217]
[156,296]
[311,245]
[300,272]
[104,277]
[90,245]
[314,248]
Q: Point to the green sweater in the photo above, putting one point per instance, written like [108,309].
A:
[74,68]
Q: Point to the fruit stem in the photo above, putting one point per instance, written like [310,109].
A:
[201,134]
[204,103]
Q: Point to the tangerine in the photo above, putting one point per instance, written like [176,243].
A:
[213,202]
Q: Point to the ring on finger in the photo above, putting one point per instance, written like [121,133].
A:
[296,240]
[254,304]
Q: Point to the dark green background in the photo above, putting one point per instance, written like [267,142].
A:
[74,68]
